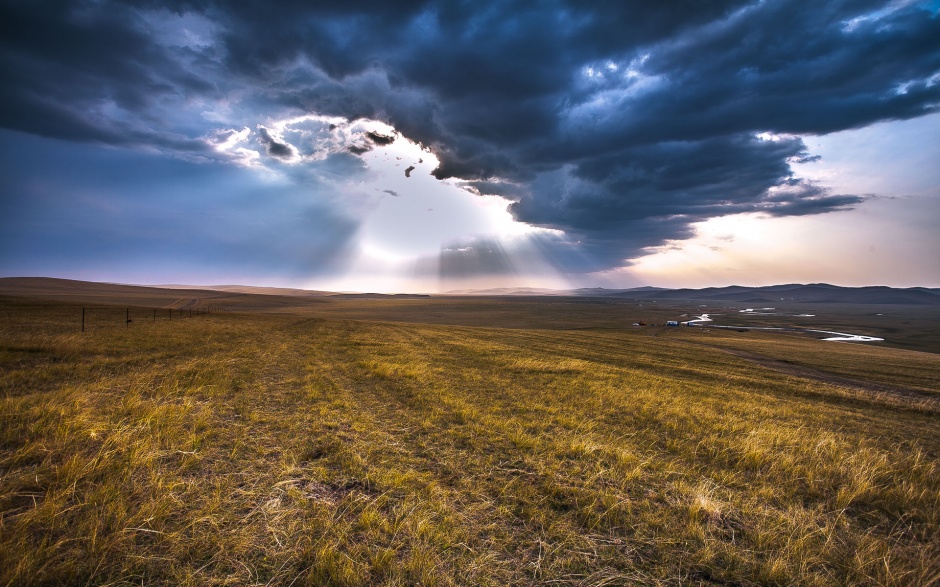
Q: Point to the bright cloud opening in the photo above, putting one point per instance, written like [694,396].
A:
[413,229]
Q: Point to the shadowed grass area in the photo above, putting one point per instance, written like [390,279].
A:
[278,450]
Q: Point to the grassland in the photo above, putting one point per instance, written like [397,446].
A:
[456,442]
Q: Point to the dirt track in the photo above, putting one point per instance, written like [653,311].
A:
[892,394]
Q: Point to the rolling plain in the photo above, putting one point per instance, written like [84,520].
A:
[298,438]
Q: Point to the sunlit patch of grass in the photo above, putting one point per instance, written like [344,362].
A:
[387,370]
[547,366]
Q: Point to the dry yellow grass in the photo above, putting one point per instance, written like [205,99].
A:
[278,450]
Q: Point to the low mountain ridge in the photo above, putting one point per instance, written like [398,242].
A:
[791,292]
[815,293]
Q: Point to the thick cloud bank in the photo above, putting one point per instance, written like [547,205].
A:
[619,123]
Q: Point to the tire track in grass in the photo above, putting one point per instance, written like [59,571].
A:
[407,445]
[527,486]
[889,393]
[479,482]
[586,346]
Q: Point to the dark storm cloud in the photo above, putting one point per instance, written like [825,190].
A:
[618,122]
[380,139]
[358,150]
[622,201]
[275,146]
[805,159]
[91,73]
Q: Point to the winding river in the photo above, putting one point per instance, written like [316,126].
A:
[838,336]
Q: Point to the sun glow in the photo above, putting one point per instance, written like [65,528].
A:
[413,231]
[417,232]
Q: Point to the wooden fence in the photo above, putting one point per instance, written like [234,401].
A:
[98,316]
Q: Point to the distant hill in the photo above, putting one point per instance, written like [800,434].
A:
[55,288]
[52,287]
[89,292]
[177,295]
[541,291]
[601,291]
[814,293]
[508,291]
[791,292]
[251,289]
[377,296]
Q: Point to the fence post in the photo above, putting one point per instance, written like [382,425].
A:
[154,314]
[127,317]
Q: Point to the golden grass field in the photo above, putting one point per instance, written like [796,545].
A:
[350,442]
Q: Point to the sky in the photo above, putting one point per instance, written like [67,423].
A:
[437,146]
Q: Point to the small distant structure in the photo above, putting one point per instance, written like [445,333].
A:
[672,323]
